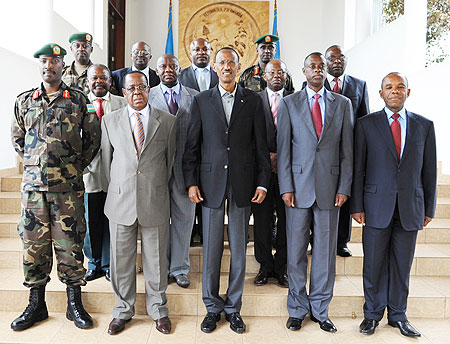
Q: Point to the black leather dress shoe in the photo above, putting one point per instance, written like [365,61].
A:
[294,324]
[368,326]
[261,278]
[108,275]
[326,325]
[405,328]
[236,322]
[209,322]
[93,275]
[344,251]
[163,325]
[117,325]
[282,280]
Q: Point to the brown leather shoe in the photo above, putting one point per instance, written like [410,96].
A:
[163,325]
[117,325]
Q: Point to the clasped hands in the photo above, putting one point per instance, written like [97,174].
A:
[196,197]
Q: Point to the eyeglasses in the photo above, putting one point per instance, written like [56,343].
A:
[341,58]
[144,53]
[81,45]
[276,72]
[132,89]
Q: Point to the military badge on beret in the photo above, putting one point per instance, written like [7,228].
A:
[266,39]
[88,38]
[80,37]
[52,50]
[56,50]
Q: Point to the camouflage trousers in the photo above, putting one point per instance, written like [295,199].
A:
[58,218]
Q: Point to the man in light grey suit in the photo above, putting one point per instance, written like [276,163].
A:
[138,147]
[315,158]
[96,241]
[175,98]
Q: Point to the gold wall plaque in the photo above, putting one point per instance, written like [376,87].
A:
[227,23]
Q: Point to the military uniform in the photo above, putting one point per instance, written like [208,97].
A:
[72,79]
[56,139]
[252,78]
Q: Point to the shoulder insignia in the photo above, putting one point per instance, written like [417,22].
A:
[66,94]
[256,70]
[90,108]
[35,94]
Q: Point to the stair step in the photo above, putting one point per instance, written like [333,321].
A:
[8,225]
[428,297]
[9,202]
[11,183]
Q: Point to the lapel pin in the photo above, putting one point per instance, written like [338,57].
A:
[242,100]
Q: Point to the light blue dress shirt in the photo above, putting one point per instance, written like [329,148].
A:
[177,92]
[403,123]
[311,100]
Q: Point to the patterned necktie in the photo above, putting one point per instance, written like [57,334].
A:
[202,79]
[336,88]
[397,134]
[99,111]
[274,106]
[138,134]
[172,104]
[317,116]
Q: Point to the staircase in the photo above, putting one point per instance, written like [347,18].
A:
[429,288]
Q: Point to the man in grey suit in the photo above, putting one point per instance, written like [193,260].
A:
[200,75]
[96,241]
[315,157]
[138,147]
[175,98]
[226,157]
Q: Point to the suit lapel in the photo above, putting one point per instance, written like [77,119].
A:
[411,130]
[184,102]
[192,76]
[345,84]
[153,124]
[217,105]
[327,85]
[239,102]
[301,99]
[330,110]
[268,110]
[160,100]
[124,123]
[384,129]
[214,78]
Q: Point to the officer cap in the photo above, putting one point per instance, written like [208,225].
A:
[267,39]
[51,49]
[80,37]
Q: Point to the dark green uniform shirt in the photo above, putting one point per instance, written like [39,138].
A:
[252,78]
[56,139]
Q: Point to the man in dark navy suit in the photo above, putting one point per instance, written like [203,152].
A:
[393,196]
[141,54]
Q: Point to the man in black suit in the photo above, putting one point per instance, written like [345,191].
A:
[393,196]
[200,75]
[271,266]
[226,149]
[141,54]
[355,90]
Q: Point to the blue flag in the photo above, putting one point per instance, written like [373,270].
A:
[169,42]
[275,29]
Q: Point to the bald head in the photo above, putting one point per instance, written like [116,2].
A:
[141,54]
[168,70]
[200,52]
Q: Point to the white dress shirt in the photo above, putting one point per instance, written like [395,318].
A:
[331,81]
[206,74]
[146,71]
[145,115]
[106,102]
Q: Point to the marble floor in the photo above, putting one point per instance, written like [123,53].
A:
[271,330]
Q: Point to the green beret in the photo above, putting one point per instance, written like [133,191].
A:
[51,49]
[80,37]
[267,39]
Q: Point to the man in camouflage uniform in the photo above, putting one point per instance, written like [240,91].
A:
[253,77]
[57,133]
[75,75]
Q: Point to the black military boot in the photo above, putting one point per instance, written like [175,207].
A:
[75,310]
[36,310]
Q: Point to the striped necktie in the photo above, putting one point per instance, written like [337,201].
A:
[138,134]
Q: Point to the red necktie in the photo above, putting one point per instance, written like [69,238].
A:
[397,134]
[336,88]
[274,107]
[317,116]
[99,111]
